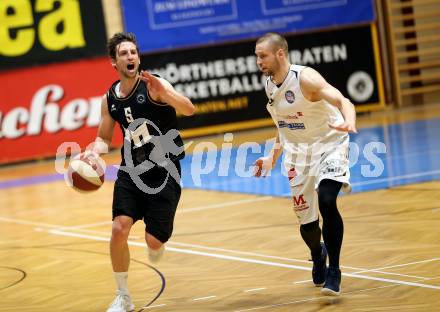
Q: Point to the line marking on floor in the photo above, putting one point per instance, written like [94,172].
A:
[248,260]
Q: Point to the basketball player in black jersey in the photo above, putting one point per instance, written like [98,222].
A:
[148,183]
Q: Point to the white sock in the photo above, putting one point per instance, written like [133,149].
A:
[121,281]
[155,255]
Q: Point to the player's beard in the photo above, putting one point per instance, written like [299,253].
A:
[274,69]
[270,71]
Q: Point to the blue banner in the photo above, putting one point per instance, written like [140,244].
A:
[170,24]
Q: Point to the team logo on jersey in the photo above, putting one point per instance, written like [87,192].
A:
[290,96]
[113,108]
[140,98]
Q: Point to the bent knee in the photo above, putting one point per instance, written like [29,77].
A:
[120,229]
[152,242]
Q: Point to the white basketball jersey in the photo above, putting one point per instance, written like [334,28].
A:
[302,124]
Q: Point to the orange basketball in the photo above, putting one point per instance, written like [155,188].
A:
[86,172]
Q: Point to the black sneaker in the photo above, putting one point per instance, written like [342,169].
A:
[332,286]
[320,268]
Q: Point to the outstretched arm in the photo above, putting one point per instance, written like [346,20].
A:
[316,88]
[162,91]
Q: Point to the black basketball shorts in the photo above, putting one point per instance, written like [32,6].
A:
[157,210]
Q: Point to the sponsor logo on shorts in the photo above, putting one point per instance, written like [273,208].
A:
[299,203]
[336,167]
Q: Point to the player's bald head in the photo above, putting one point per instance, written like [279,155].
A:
[275,41]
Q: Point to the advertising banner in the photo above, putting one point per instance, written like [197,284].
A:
[169,24]
[42,31]
[226,86]
[46,106]
[42,107]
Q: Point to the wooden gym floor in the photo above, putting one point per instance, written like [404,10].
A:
[229,251]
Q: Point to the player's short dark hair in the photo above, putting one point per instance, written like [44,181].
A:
[276,41]
[117,38]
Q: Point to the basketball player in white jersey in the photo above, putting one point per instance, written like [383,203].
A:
[313,120]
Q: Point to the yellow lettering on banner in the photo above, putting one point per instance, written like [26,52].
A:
[221,106]
[69,15]
[238,103]
[22,17]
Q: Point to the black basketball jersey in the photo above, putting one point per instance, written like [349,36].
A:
[145,124]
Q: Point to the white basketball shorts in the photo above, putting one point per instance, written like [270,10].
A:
[304,180]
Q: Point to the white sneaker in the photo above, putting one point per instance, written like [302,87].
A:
[122,303]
